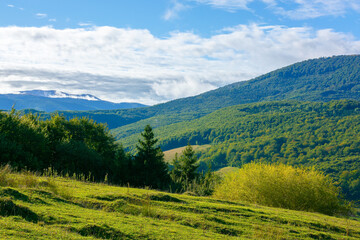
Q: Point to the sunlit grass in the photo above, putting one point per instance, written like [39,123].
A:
[65,208]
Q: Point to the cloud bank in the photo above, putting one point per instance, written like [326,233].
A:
[118,64]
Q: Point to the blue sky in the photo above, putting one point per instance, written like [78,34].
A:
[155,51]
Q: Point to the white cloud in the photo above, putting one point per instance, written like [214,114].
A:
[173,12]
[41,15]
[227,4]
[295,9]
[305,9]
[10,5]
[52,20]
[133,65]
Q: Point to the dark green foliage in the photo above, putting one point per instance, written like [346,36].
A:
[204,184]
[83,146]
[76,146]
[18,136]
[186,178]
[185,168]
[151,170]
[349,182]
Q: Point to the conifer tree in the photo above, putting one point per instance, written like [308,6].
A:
[185,167]
[149,161]
[188,164]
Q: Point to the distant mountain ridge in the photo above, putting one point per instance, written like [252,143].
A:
[59,94]
[52,100]
[322,79]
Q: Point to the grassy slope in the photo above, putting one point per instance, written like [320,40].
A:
[170,154]
[80,210]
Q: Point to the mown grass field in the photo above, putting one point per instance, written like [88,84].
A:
[62,208]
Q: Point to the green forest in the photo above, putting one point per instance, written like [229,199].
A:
[76,146]
[325,135]
[85,149]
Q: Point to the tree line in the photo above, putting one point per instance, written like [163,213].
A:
[81,146]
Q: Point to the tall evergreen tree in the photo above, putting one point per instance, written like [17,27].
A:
[149,162]
[185,167]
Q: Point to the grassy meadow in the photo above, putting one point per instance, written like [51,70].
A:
[170,154]
[39,207]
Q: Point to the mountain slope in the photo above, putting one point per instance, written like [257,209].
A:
[324,135]
[322,79]
[50,101]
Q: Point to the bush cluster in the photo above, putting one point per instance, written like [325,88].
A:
[282,186]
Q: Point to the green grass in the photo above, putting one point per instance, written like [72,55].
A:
[170,154]
[61,208]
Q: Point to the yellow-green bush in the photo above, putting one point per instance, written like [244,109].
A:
[281,186]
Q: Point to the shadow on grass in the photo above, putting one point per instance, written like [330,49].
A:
[104,232]
[9,208]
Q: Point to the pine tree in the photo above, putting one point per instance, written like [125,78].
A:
[188,163]
[149,161]
[185,167]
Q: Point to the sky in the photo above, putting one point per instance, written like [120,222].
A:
[153,51]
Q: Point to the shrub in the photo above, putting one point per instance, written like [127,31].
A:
[204,184]
[282,186]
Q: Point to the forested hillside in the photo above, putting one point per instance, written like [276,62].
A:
[325,135]
[322,79]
